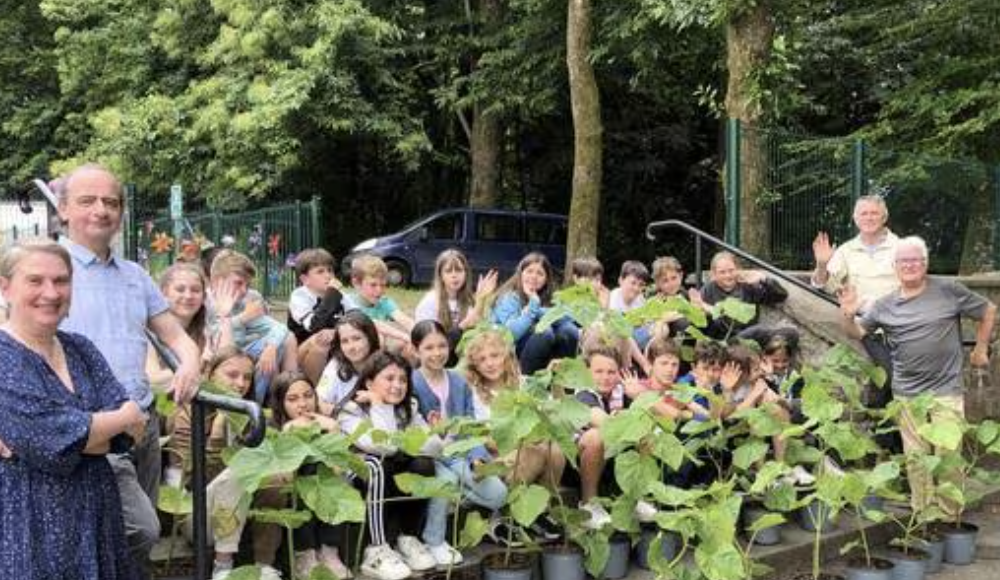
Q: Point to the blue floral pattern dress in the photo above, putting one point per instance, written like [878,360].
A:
[60,512]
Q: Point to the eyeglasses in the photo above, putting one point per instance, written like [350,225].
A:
[87,201]
[910,261]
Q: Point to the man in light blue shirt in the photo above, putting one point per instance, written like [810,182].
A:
[114,300]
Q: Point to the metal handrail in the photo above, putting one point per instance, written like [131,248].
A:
[252,438]
[703,235]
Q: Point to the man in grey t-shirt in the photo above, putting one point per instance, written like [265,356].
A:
[921,322]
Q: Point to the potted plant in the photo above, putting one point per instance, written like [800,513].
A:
[956,476]
[531,416]
[858,486]
[327,494]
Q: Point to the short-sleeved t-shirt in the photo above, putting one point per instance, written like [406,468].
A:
[380,311]
[924,335]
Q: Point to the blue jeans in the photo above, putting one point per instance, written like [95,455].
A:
[536,349]
[488,492]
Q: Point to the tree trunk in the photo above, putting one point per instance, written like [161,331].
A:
[485,152]
[748,48]
[977,248]
[587,134]
[486,139]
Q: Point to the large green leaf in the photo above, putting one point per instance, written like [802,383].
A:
[286,518]
[253,465]
[173,500]
[749,453]
[473,531]
[633,472]
[669,449]
[426,486]
[945,433]
[330,497]
[818,404]
[527,502]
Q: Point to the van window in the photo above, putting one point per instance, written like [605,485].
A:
[546,231]
[446,227]
[498,228]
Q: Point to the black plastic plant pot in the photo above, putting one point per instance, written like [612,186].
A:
[934,546]
[765,537]
[908,565]
[618,558]
[815,515]
[959,543]
[858,569]
[669,545]
[561,563]
[519,567]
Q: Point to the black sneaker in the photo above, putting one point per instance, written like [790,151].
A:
[546,529]
[503,534]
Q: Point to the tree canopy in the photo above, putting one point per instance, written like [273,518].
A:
[374,104]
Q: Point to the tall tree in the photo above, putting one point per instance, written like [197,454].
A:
[584,211]
[486,139]
[749,36]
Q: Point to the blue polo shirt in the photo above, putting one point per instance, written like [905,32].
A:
[112,302]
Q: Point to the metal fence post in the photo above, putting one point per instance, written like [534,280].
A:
[131,224]
[858,177]
[733,181]
[314,221]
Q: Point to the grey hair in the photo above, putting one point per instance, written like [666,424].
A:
[24,248]
[723,255]
[912,242]
[877,200]
[63,192]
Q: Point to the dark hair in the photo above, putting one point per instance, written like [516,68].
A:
[782,341]
[634,268]
[743,355]
[279,388]
[586,267]
[377,363]
[709,351]
[662,346]
[513,284]
[425,328]
[311,258]
[359,321]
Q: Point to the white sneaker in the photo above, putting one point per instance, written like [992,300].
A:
[599,516]
[445,555]
[221,572]
[645,512]
[268,572]
[330,557]
[799,476]
[415,553]
[383,563]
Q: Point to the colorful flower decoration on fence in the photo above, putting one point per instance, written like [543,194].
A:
[162,243]
[274,245]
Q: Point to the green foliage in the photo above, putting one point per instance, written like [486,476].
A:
[527,503]
[174,500]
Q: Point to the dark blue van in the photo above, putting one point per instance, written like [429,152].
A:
[489,238]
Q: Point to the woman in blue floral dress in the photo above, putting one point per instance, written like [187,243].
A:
[61,411]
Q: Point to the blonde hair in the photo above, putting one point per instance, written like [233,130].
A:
[229,262]
[24,248]
[465,299]
[510,378]
[368,266]
[197,328]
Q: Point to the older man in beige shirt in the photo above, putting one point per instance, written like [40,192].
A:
[866,263]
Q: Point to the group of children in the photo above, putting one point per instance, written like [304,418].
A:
[350,359]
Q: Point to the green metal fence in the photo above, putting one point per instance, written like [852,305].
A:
[809,183]
[270,236]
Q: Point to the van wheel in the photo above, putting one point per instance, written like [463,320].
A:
[399,273]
